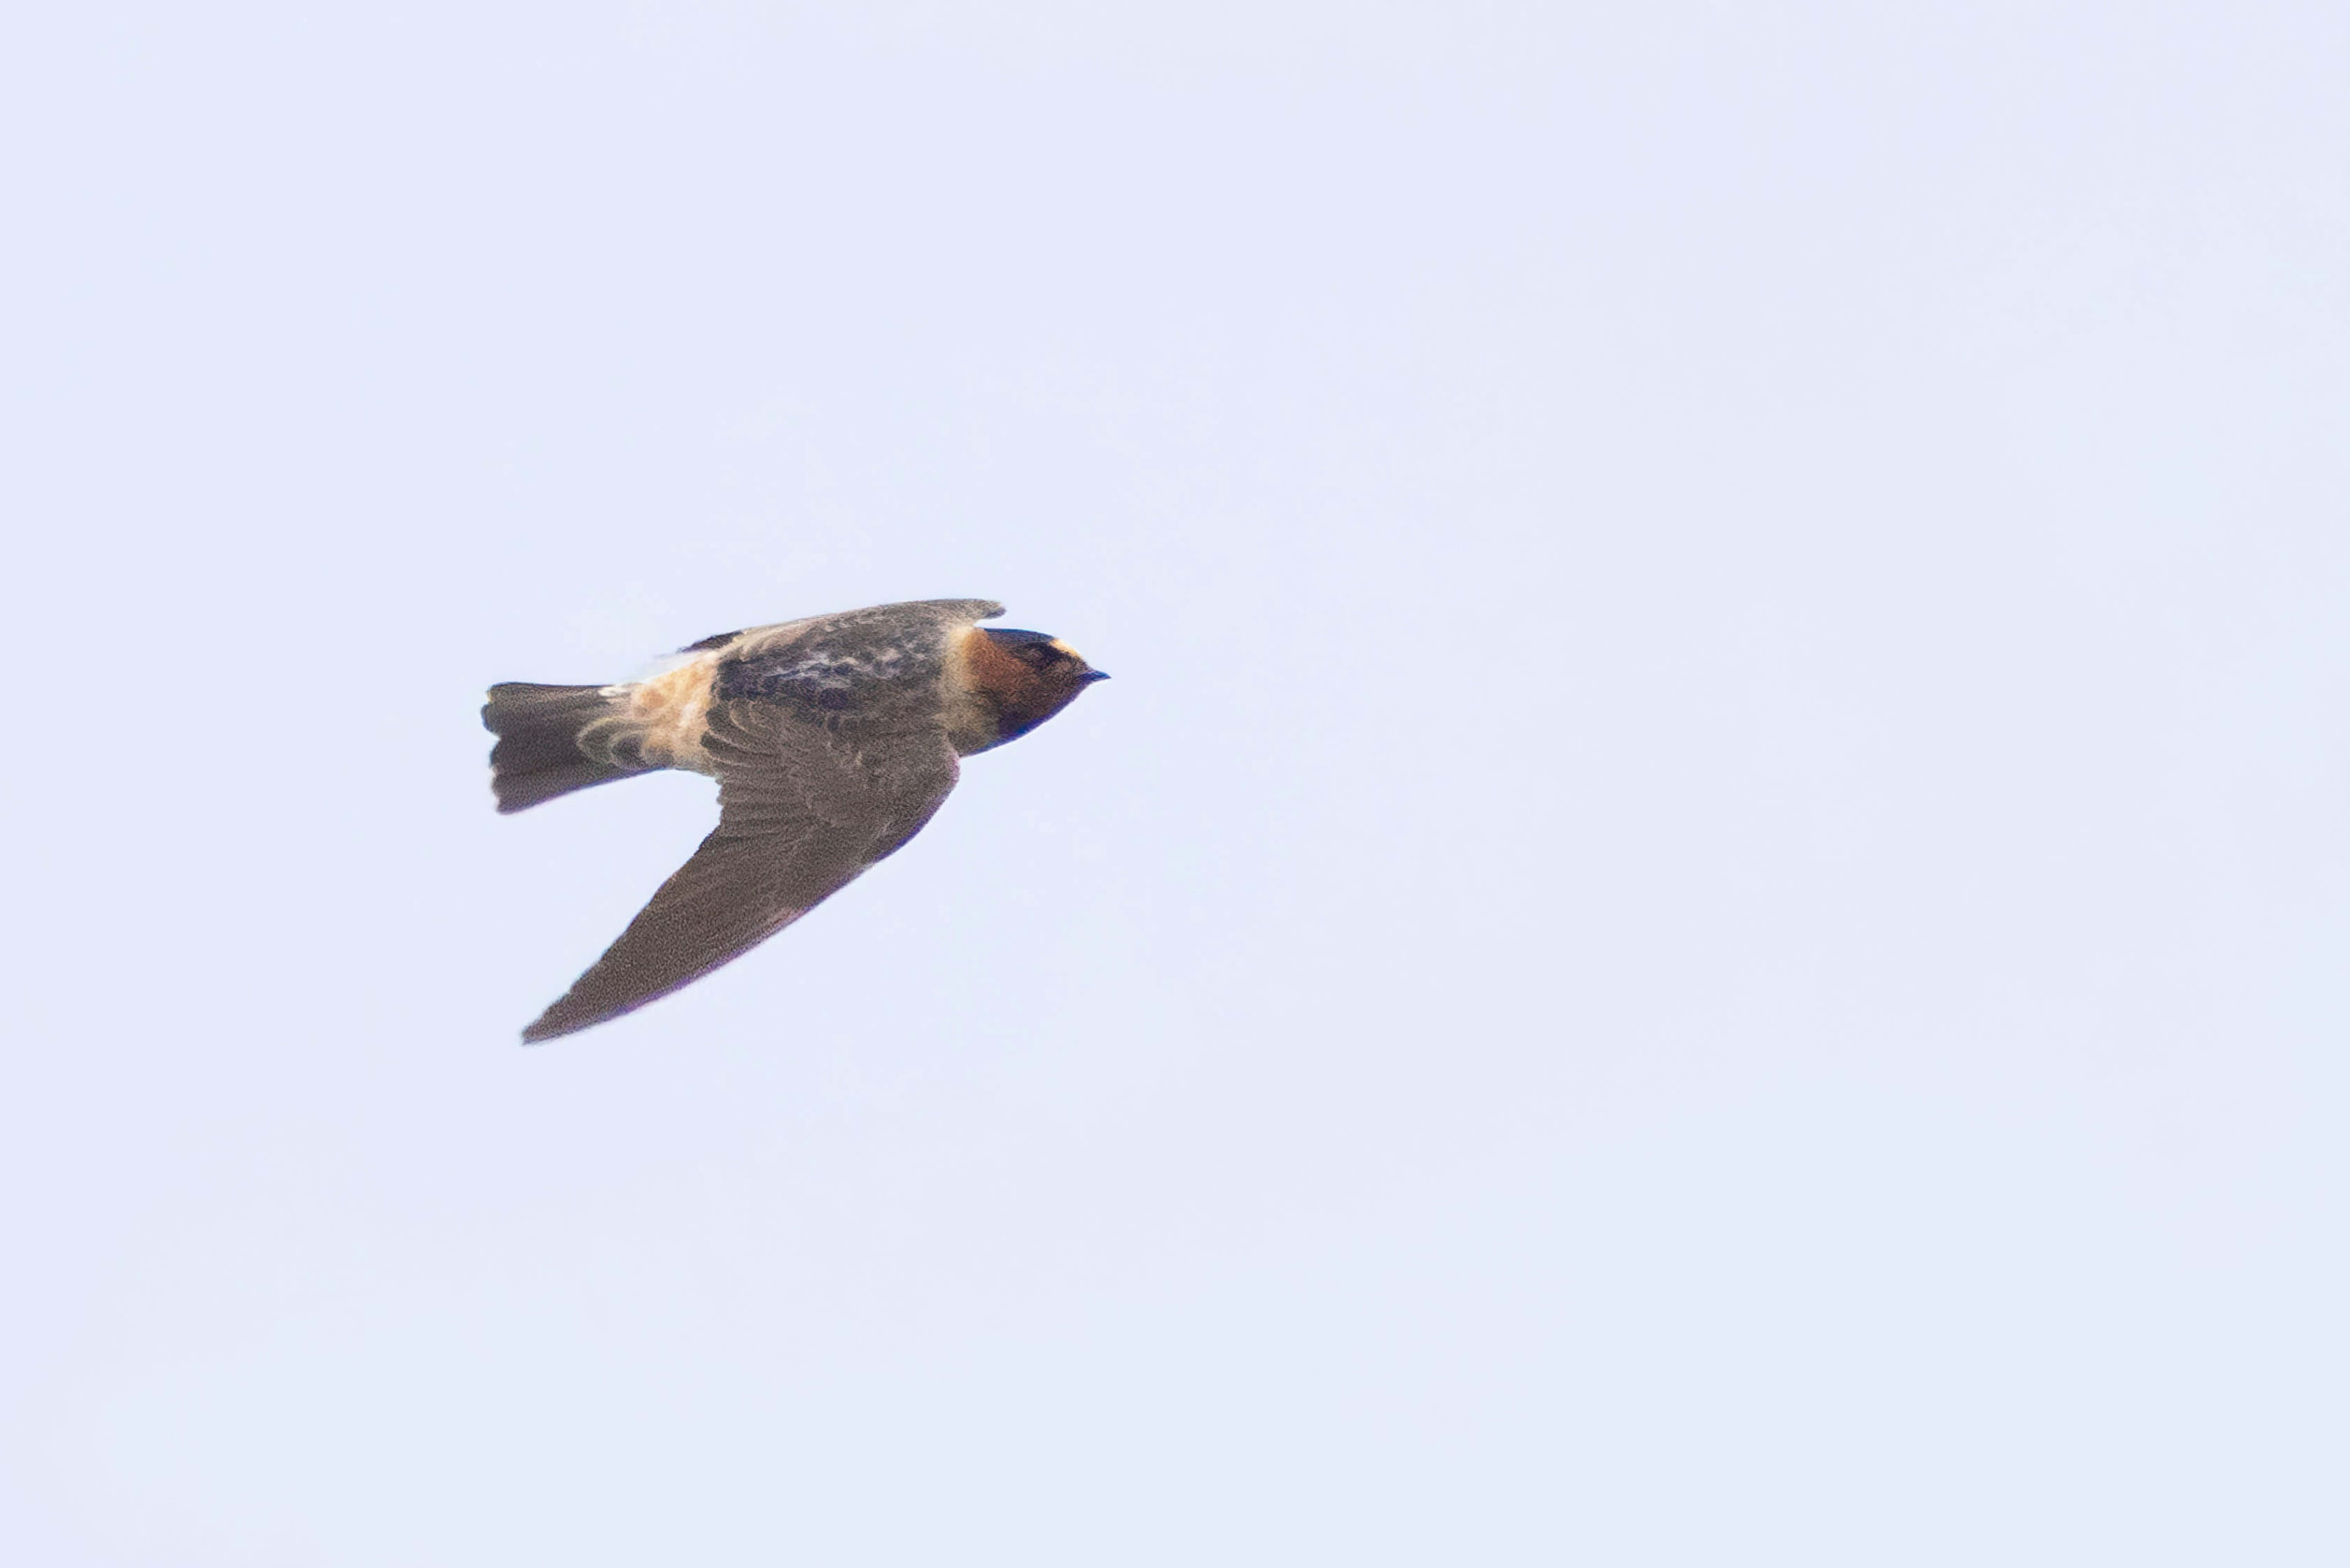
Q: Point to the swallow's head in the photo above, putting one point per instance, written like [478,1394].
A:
[1026,677]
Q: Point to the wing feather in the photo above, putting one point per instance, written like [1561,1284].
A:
[802,813]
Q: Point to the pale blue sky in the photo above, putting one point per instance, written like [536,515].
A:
[1705,925]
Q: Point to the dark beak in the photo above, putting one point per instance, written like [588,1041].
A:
[1094,675]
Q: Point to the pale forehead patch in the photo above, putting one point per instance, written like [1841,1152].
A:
[1060,646]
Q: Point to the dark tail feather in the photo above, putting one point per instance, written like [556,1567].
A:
[537,756]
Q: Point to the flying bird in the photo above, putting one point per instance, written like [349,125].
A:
[832,738]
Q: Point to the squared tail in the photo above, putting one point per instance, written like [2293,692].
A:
[538,728]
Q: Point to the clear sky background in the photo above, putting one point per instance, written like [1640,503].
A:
[1705,925]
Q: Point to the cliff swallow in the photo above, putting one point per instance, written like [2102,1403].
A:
[832,738]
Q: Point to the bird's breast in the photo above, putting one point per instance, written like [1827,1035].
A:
[979,676]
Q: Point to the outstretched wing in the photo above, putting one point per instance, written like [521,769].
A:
[888,621]
[802,810]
